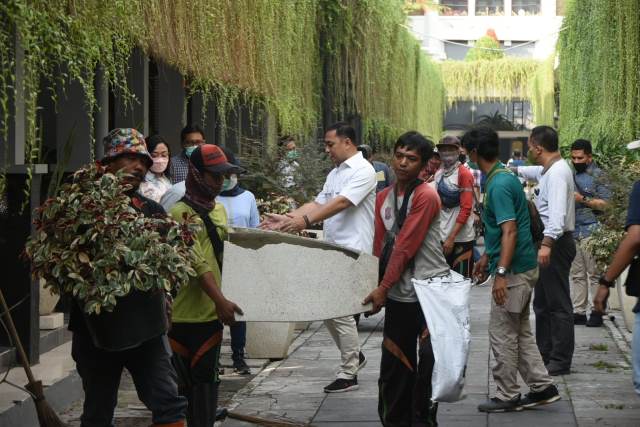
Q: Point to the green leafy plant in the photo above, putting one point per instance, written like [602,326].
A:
[620,172]
[91,243]
[495,121]
[486,48]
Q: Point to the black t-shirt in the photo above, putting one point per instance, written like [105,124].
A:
[633,218]
[137,317]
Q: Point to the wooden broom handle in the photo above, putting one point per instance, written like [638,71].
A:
[16,338]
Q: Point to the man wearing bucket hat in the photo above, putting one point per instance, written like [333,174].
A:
[200,308]
[625,255]
[132,336]
[454,183]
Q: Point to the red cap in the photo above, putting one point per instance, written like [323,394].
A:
[211,158]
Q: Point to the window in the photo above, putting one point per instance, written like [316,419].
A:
[525,7]
[490,8]
[454,7]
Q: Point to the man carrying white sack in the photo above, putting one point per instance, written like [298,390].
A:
[407,241]
[345,204]
[510,259]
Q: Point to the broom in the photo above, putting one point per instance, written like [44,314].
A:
[46,415]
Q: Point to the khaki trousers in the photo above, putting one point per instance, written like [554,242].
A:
[584,278]
[344,332]
[512,343]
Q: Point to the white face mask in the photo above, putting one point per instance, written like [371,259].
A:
[159,164]
[230,182]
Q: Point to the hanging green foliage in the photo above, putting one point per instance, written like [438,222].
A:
[486,48]
[502,80]
[230,48]
[599,73]
[374,68]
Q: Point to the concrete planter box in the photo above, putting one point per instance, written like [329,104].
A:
[277,277]
[269,340]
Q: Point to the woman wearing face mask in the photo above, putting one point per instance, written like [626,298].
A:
[454,183]
[242,211]
[157,182]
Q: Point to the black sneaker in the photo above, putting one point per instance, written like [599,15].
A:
[241,367]
[341,385]
[595,320]
[496,405]
[548,395]
[579,319]
[361,361]
[556,371]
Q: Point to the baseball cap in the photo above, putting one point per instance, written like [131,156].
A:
[125,141]
[633,145]
[211,158]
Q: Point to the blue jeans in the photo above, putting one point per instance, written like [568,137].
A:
[238,340]
[635,354]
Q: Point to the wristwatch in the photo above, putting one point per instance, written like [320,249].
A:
[501,271]
[604,282]
[586,199]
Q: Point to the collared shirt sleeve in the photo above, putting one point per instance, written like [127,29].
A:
[530,173]
[425,206]
[559,190]
[254,218]
[361,184]
[172,196]
[602,190]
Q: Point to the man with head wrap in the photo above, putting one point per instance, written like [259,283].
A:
[200,308]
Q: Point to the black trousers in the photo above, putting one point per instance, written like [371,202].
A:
[553,307]
[199,345]
[150,367]
[405,381]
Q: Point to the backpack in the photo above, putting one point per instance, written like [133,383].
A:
[536,226]
[390,236]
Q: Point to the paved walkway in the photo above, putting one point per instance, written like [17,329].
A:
[597,393]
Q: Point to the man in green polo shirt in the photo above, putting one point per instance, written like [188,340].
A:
[511,260]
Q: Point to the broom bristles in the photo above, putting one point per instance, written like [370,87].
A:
[47,417]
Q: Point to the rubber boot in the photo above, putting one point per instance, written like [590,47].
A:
[203,404]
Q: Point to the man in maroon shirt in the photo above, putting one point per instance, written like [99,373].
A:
[405,383]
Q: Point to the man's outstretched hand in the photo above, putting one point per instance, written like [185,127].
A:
[377,297]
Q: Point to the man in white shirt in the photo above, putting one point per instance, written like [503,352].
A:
[556,204]
[345,204]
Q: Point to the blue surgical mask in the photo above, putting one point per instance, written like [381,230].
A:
[189,150]
[230,183]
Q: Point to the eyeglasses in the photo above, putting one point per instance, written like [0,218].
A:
[192,142]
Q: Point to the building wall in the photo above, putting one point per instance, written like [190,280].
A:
[434,30]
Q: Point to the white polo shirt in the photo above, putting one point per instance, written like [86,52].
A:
[353,227]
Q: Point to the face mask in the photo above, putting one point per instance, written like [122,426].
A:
[580,167]
[189,150]
[159,164]
[462,158]
[448,159]
[230,182]
[292,155]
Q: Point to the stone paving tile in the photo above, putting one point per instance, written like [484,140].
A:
[592,395]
